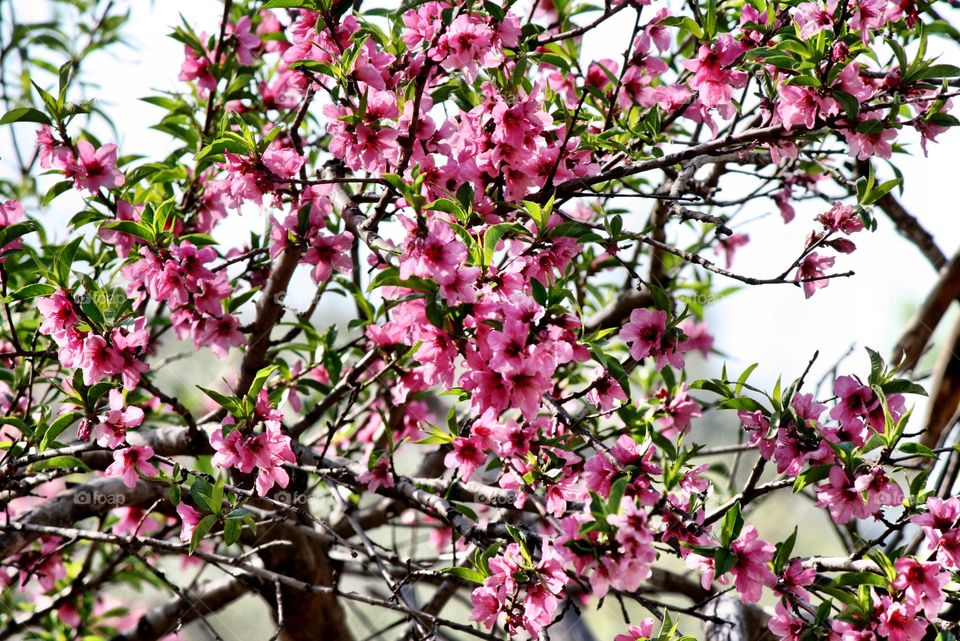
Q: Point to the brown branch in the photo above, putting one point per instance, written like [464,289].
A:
[921,327]
[95,498]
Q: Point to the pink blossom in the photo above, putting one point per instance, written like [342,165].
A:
[751,571]
[898,622]
[99,360]
[922,584]
[863,146]
[802,105]
[712,78]
[134,520]
[786,625]
[697,337]
[467,455]
[196,66]
[678,409]
[380,475]
[95,168]
[486,606]
[644,332]
[605,390]
[811,273]
[10,212]
[637,632]
[841,218]
[841,497]
[131,461]
[728,246]
[812,19]
[112,427]
[189,519]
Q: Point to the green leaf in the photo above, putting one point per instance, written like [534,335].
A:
[59,463]
[858,578]
[934,72]
[916,449]
[732,524]
[229,403]
[491,237]
[56,428]
[201,530]
[25,114]
[617,490]
[132,228]
[64,261]
[784,550]
[30,291]
[259,380]
[710,19]
[466,573]
[231,531]
[12,232]
[876,367]
[811,476]
[55,191]
[903,386]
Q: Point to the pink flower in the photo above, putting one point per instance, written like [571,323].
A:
[99,360]
[840,496]
[467,455]
[795,578]
[786,625]
[196,66]
[246,41]
[51,152]
[878,490]
[922,584]
[811,273]
[95,168]
[486,606]
[697,337]
[801,106]
[751,571]
[728,246]
[131,461]
[644,333]
[10,212]
[130,522]
[678,409]
[940,518]
[812,19]
[227,449]
[841,218]
[189,517]
[380,475]
[712,78]
[637,632]
[898,622]
[863,146]
[328,254]
[112,429]
[605,390]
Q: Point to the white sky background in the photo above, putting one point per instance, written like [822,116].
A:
[771,324]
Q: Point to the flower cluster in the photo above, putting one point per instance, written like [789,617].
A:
[178,277]
[266,452]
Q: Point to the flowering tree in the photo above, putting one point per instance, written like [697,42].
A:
[512,383]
